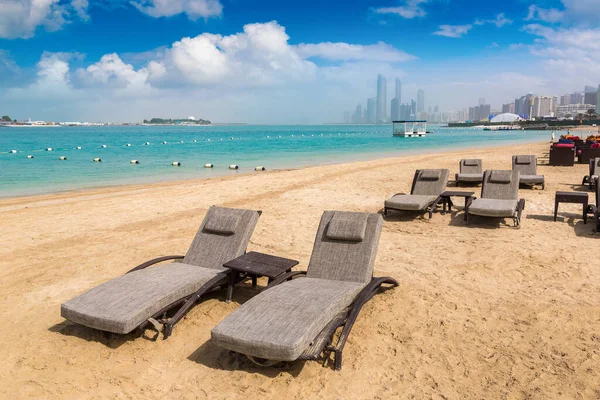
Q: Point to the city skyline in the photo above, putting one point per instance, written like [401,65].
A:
[271,62]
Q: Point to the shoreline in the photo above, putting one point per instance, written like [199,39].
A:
[229,174]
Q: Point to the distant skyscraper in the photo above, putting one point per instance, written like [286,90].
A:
[413,109]
[358,115]
[429,110]
[544,106]
[436,109]
[598,100]
[381,114]
[396,102]
[481,101]
[420,101]
[371,110]
[399,91]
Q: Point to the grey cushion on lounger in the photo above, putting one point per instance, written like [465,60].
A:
[471,162]
[430,174]
[523,160]
[223,223]
[498,176]
[123,303]
[531,179]
[280,323]
[493,207]
[347,226]
[464,177]
[409,202]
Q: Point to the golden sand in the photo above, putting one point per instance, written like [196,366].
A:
[482,311]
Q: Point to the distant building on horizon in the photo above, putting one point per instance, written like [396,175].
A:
[357,117]
[420,101]
[508,108]
[544,106]
[396,102]
[381,114]
[481,101]
[598,100]
[590,95]
[371,110]
[572,110]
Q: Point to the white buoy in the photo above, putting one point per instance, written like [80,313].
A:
[234,166]
[220,139]
[78,147]
[176,164]
[48,148]
[63,158]
[194,140]
[13,151]
[128,145]
[104,146]
[209,165]
[134,162]
[267,137]
[292,135]
[30,156]
[181,141]
[97,159]
[147,143]
[164,142]
[230,138]
[208,140]
[260,168]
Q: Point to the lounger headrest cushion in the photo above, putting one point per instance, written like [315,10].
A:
[222,222]
[430,175]
[347,226]
[470,163]
[523,160]
[500,176]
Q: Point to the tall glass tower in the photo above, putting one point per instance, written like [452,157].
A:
[381,99]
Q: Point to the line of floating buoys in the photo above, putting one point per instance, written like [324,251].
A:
[63,158]
[97,159]
[30,156]
[134,162]
[176,164]
[260,168]
[234,166]
[209,165]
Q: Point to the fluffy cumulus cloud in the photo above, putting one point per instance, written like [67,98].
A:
[21,18]
[573,11]
[453,31]
[499,21]
[253,71]
[194,9]
[409,9]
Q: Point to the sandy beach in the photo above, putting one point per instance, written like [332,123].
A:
[482,311]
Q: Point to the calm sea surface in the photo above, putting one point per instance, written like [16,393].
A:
[247,146]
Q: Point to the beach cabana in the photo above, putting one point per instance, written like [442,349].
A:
[527,166]
[427,185]
[297,319]
[142,297]
[499,197]
[471,171]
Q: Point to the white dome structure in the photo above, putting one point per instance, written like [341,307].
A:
[506,117]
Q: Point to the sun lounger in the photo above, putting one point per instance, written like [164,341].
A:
[297,319]
[527,166]
[141,297]
[499,197]
[595,208]
[594,172]
[427,185]
[471,171]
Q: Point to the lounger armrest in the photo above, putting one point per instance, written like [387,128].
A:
[155,261]
[364,296]
[282,278]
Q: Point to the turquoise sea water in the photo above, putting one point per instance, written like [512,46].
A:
[247,146]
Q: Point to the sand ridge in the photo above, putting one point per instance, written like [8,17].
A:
[482,311]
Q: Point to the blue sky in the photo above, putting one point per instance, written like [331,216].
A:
[284,62]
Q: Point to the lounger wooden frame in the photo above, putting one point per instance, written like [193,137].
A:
[322,347]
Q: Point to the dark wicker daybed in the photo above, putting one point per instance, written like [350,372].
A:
[595,208]
[594,172]
[142,297]
[296,319]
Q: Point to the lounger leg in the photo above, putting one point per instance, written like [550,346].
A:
[337,362]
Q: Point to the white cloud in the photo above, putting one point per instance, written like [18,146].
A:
[21,18]
[453,31]
[194,9]
[410,9]
[544,14]
[346,52]
[499,21]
